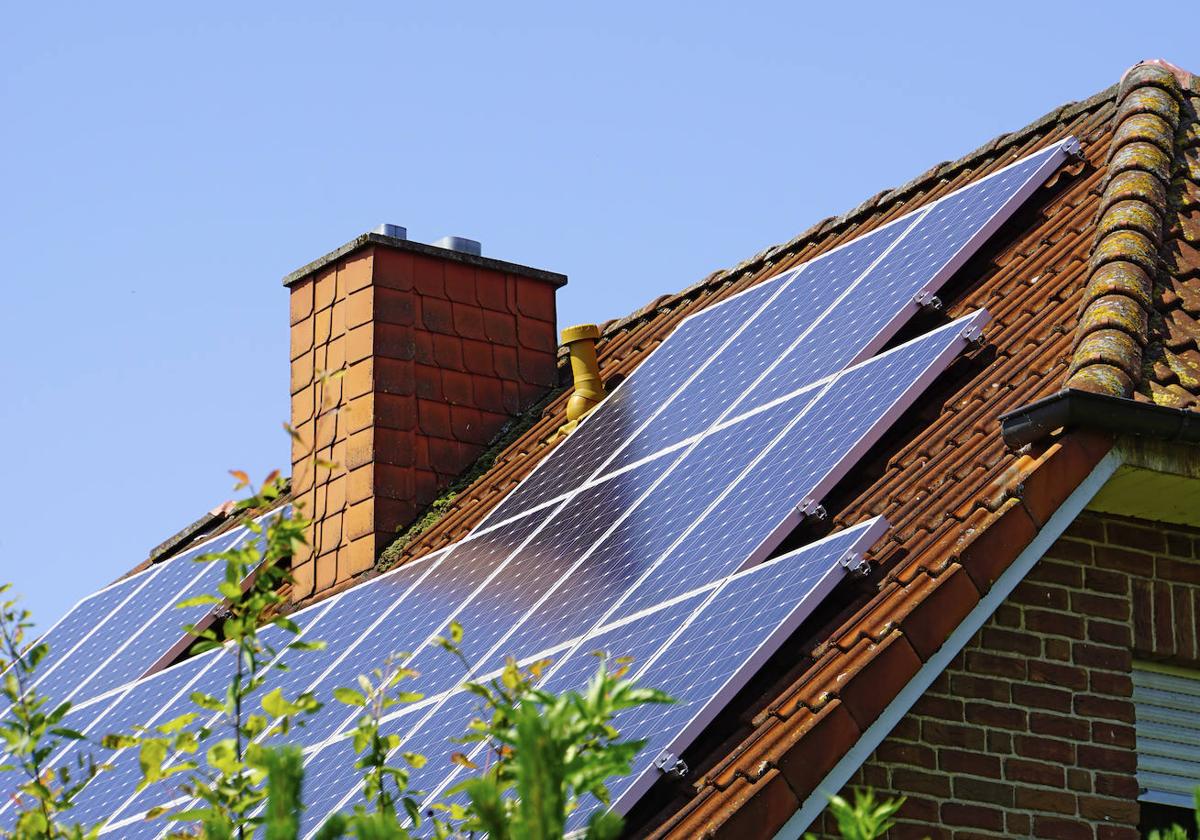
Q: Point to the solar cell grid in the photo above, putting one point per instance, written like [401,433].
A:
[647,390]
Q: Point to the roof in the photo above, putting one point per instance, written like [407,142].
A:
[1094,285]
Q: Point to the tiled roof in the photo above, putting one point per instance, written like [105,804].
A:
[962,506]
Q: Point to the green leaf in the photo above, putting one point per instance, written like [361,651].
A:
[197,601]
[350,697]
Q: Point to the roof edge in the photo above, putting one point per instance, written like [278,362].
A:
[366,239]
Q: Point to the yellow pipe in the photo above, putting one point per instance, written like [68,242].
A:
[589,390]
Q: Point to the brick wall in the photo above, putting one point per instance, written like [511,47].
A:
[437,353]
[1030,732]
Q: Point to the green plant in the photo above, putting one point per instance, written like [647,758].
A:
[32,732]
[864,820]
[543,752]
[231,782]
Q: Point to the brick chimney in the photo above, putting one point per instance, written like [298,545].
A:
[439,348]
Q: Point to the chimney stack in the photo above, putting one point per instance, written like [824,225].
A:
[437,348]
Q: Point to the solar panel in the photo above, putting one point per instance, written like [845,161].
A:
[839,308]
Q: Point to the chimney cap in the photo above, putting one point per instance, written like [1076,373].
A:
[580,331]
[394,231]
[460,244]
[373,238]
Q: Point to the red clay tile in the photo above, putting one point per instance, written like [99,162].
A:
[429,276]
[460,282]
[939,610]
[468,321]
[392,269]
[437,315]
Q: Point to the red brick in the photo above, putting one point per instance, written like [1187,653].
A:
[1179,545]
[1058,650]
[1109,633]
[1089,705]
[1117,832]
[1037,799]
[1034,594]
[1034,772]
[898,752]
[468,321]
[919,781]
[1134,536]
[392,269]
[1059,574]
[1042,697]
[1101,656]
[1073,551]
[1124,560]
[965,685]
[535,299]
[936,706]
[1106,581]
[1046,749]
[1100,606]
[1062,676]
[969,762]
[1114,685]
[479,357]
[500,327]
[1117,784]
[974,816]
[1106,758]
[998,742]
[1109,810]
[1059,828]
[1009,667]
[437,315]
[1113,734]
[461,280]
[1086,526]
[1059,726]
[1054,623]
[1079,780]
[983,790]
[429,276]
[1003,717]
[940,734]
[393,307]
[1018,825]
[1143,616]
[1177,571]
[1011,641]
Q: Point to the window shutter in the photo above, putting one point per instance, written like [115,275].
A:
[1167,707]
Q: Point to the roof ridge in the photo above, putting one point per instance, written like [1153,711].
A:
[1114,324]
[865,209]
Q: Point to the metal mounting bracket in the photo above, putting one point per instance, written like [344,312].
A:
[811,509]
[671,765]
[928,300]
[856,564]
[973,334]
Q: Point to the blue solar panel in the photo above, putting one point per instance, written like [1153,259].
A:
[807,324]
[945,235]
[636,400]
[722,646]
[830,434]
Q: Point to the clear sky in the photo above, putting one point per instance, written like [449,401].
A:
[164,166]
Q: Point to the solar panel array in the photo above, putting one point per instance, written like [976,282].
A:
[647,531]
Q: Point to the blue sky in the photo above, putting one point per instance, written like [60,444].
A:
[164,166]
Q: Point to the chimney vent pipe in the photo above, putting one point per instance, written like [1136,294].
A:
[589,390]
[394,231]
[461,244]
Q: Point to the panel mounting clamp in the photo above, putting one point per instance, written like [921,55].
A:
[856,564]
[926,299]
[811,509]
[671,765]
